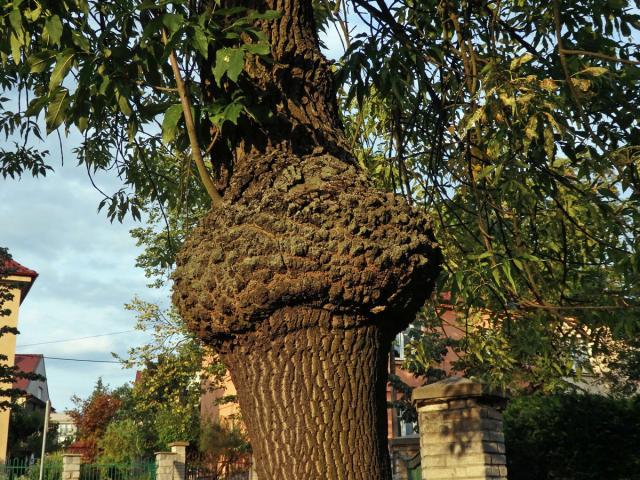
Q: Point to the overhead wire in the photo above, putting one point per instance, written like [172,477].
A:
[81,360]
[75,339]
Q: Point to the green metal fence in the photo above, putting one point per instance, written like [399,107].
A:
[24,469]
[118,471]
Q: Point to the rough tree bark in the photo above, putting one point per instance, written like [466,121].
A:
[305,274]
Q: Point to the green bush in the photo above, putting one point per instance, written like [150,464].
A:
[573,437]
[122,442]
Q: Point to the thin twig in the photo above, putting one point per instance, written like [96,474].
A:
[599,55]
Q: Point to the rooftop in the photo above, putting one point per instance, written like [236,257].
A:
[27,363]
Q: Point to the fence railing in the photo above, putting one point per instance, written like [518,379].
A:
[26,469]
[118,471]
[222,470]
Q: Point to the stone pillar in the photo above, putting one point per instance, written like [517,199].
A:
[180,463]
[461,434]
[71,466]
[165,465]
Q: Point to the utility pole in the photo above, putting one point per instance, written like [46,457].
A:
[44,438]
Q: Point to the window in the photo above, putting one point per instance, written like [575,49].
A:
[401,340]
[40,393]
[407,429]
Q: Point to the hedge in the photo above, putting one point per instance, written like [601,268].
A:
[573,437]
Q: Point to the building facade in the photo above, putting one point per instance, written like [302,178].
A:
[17,280]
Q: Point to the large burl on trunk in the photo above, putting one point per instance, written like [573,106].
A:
[306,272]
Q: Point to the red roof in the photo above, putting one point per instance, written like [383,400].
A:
[27,363]
[11,267]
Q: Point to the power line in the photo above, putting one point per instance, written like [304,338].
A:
[81,360]
[75,339]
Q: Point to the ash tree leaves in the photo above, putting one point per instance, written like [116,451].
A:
[526,152]
[41,61]
[170,122]
[229,61]
[57,109]
[103,68]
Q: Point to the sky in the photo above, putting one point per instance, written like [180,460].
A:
[87,271]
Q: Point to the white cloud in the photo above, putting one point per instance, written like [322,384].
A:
[87,273]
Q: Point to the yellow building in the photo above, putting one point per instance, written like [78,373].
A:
[18,280]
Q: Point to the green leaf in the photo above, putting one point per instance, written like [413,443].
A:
[233,111]
[172,21]
[517,62]
[123,103]
[200,42]
[170,122]
[549,142]
[15,19]
[268,15]
[104,85]
[57,109]
[15,44]
[229,61]
[33,14]
[35,106]
[40,61]
[80,41]
[64,62]
[595,71]
[52,31]
[258,48]
[82,123]
[531,130]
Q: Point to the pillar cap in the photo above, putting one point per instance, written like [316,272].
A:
[452,388]
[71,454]
[178,444]
[165,453]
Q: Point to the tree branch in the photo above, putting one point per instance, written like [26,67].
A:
[216,198]
[602,56]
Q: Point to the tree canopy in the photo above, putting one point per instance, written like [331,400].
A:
[514,124]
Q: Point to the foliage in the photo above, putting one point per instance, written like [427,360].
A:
[163,404]
[168,387]
[515,125]
[623,376]
[92,417]
[113,71]
[161,238]
[164,401]
[122,442]
[222,444]
[426,347]
[576,436]
[25,432]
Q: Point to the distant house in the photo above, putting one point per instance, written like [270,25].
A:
[36,392]
[67,428]
[19,280]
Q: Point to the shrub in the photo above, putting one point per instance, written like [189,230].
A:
[573,437]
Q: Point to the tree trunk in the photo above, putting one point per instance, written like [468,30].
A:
[305,274]
[313,399]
